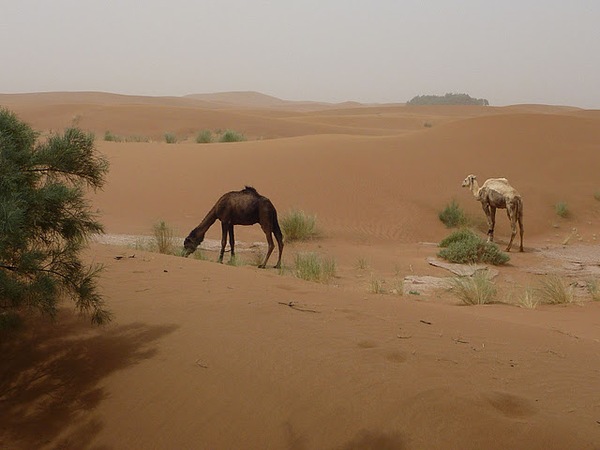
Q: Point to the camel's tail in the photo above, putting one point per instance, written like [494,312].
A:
[276,227]
[519,209]
[520,221]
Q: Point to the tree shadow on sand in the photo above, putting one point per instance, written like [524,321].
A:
[51,373]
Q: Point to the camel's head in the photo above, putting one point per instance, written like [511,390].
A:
[468,182]
[190,245]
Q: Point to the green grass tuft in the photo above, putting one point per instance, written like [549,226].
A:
[562,209]
[204,137]
[362,263]
[136,138]
[163,238]
[465,247]
[376,286]
[311,267]
[296,225]
[232,136]
[554,291]
[594,290]
[476,290]
[453,216]
[529,299]
[108,136]
[170,138]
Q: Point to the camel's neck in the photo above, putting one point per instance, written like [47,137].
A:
[200,230]
[475,188]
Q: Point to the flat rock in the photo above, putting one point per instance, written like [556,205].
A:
[415,284]
[463,270]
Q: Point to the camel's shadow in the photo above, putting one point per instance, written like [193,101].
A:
[51,372]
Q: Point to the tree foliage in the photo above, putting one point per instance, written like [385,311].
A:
[448,99]
[45,219]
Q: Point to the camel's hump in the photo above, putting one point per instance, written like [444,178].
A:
[250,189]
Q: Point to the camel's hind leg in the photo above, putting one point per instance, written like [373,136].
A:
[231,243]
[520,220]
[510,212]
[271,245]
[279,237]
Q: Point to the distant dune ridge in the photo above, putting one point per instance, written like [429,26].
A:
[203,355]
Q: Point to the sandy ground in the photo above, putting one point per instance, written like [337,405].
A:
[208,356]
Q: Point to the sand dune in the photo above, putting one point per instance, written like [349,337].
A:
[211,356]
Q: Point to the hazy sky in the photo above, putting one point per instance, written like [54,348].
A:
[510,51]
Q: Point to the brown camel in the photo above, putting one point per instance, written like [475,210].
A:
[498,193]
[245,207]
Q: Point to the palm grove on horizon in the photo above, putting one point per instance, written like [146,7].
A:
[45,220]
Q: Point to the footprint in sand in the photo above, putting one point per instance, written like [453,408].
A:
[392,355]
[510,405]
[367,344]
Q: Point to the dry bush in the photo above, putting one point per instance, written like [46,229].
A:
[453,216]
[562,209]
[476,290]
[594,290]
[163,238]
[376,286]
[311,267]
[528,299]
[296,225]
[554,291]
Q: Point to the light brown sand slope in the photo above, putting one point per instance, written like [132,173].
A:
[210,356]
[206,356]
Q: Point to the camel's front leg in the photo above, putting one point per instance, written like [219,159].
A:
[513,225]
[488,216]
[520,220]
[224,230]
[231,242]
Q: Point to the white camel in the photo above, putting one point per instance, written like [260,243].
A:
[498,193]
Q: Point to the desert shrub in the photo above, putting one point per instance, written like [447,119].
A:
[170,138]
[465,247]
[452,215]
[463,234]
[398,286]
[296,225]
[235,261]
[376,286]
[204,137]
[476,290]
[311,267]
[528,299]
[108,136]
[597,195]
[231,136]
[562,209]
[163,238]
[137,139]
[362,263]
[554,291]
[198,254]
[594,290]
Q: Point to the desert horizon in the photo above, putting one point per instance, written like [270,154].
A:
[383,355]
